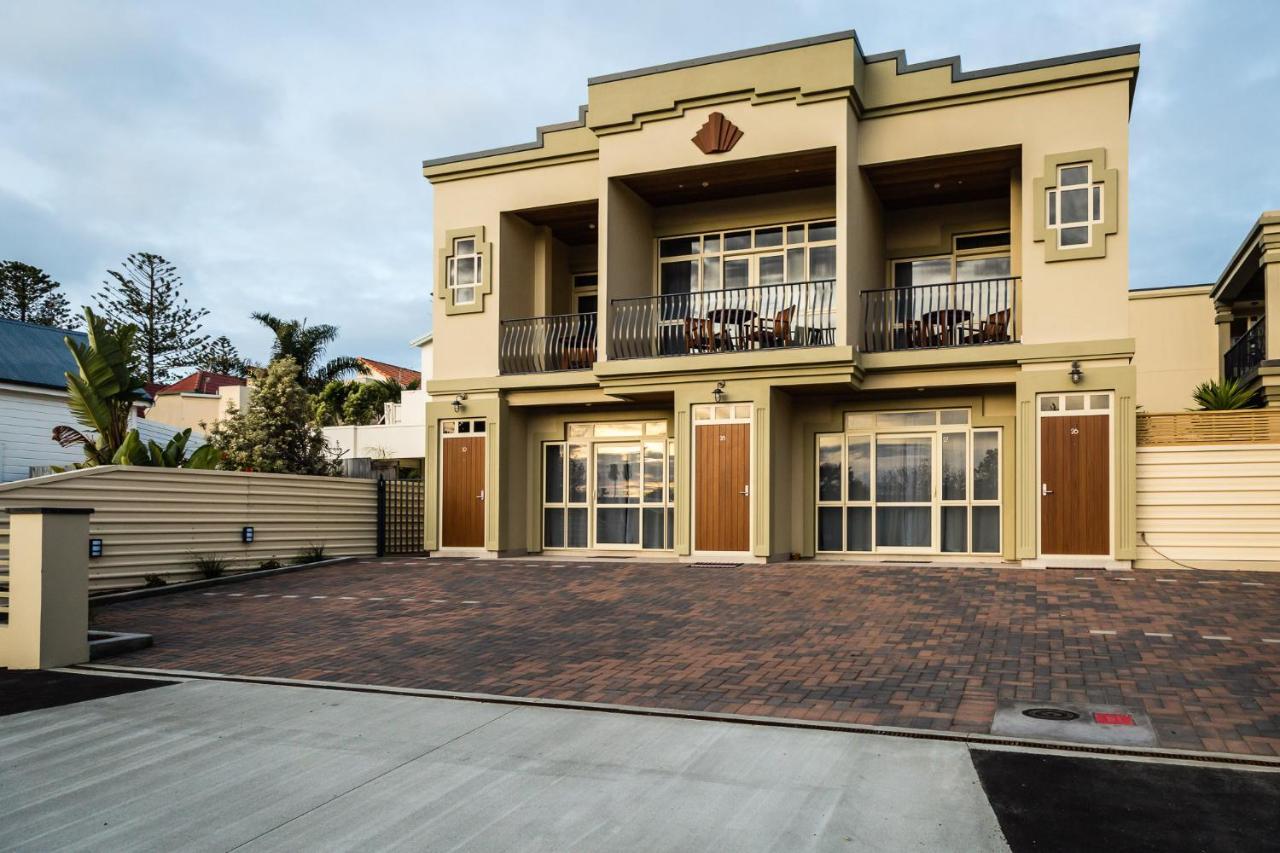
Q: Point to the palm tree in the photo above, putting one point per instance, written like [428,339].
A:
[306,345]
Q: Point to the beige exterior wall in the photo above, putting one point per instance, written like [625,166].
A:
[44,622]
[152,521]
[1209,506]
[190,410]
[1175,345]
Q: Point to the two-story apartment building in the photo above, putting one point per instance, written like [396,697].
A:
[794,300]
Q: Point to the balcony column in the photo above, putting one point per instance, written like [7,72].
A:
[1223,315]
[1271,304]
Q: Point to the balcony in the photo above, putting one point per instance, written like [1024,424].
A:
[745,319]
[931,316]
[1242,360]
[542,344]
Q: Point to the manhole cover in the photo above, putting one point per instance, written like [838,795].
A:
[1060,715]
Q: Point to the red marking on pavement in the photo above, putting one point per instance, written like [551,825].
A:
[1113,719]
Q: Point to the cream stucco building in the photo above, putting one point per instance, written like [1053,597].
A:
[797,300]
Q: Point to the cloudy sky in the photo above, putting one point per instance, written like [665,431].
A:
[273,150]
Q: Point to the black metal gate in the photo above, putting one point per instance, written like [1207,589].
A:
[401,504]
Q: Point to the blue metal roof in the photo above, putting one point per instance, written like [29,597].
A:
[31,354]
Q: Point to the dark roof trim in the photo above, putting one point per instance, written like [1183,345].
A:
[724,57]
[581,121]
[958,76]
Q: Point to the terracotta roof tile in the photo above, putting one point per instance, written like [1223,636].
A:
[201,382]
[403,375]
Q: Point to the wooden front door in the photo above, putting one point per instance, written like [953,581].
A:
[462,492]
[722,482]
[1075,490]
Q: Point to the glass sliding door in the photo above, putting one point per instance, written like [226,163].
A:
[618,472]
[904,491]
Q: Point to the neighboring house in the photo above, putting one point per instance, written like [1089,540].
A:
[34,361]
[396,446]
[380,370]
[1249,339]
[795,300]
[199,400]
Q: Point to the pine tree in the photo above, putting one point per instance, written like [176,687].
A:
[148,294]
[28,294]
[275,433]
[221,356]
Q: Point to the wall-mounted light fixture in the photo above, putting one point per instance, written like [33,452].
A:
[1076,373]
[95,547]
[457,403]
[246,534]
[717,394]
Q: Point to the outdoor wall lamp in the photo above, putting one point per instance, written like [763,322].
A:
[457,403]
[246,534]
[95,547]
[717,394]
[1076,373]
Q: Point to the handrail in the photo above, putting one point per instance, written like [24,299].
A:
[738,319]
[1247,353]
[541,344]
[947,314]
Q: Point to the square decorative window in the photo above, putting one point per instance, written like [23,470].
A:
[1077,205]
[464,269]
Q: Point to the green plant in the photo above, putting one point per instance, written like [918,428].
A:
[1223,395]
[153,580]
[103,395]
[29,295]
[209,565]
[270,563]
[313,553]
[148,295]
[171,455]
[306,345]
[275,433]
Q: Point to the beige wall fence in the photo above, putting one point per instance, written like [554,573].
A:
[156,521]
[1209,490]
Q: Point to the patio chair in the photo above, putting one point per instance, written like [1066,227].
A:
[775,332]
[700,335]
[994,329]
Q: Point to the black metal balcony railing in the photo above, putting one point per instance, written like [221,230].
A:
[958,313]
[540,344]
[800,314]
[1247,353]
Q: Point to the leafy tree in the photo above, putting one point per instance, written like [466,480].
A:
[364,405]
[28,294]
[276,433]
[221,356]
[327,403]
[1228,394]
[148,294]
[105,392]
[306,345]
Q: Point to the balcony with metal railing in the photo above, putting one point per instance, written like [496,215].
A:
[542,344]
[741,319]
[930,316]
[1241,361]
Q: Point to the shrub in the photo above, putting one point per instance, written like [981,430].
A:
[154,580]
[313,553]
[1229,394]
[209,565]
[270,563]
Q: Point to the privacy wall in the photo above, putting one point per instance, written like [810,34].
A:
[157,521]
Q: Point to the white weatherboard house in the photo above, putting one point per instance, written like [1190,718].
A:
[33,400]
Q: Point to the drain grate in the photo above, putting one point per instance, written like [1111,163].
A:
[1060,715]
[716,565]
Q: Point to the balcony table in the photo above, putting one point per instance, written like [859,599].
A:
[946,325]
[733,323]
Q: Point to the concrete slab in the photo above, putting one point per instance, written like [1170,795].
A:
[214,765]
[1110,725]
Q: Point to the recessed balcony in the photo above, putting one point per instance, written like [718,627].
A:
[740,319]
[1241,361]
[543,344]
[931,316]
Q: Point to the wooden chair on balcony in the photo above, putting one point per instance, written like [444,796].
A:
[993,330]
[775,332]
[700,335]
[579,351]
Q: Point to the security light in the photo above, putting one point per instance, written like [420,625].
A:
[718,393]
[1076,373]
[457,403]
[246,534]
[95,547]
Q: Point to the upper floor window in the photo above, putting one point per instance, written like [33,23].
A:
[1074,205]
[465,268]
[748,257]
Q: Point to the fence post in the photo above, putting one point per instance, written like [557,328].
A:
[48,588]
[382,517]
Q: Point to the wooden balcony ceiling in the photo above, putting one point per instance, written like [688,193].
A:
[573,224]
[735,178]
[971,176]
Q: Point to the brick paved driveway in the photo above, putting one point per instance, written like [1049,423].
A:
[887,645]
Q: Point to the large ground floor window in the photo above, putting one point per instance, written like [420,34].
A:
[609,485]
[918,481]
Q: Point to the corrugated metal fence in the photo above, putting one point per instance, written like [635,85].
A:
[157,521]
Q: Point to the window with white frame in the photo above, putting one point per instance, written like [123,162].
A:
[748,257]
[609,485]
[922,481]
[464,271]
[1074,205]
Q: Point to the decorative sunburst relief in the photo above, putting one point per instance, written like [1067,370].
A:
[717,135]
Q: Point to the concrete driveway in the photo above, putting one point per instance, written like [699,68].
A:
[926,648]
